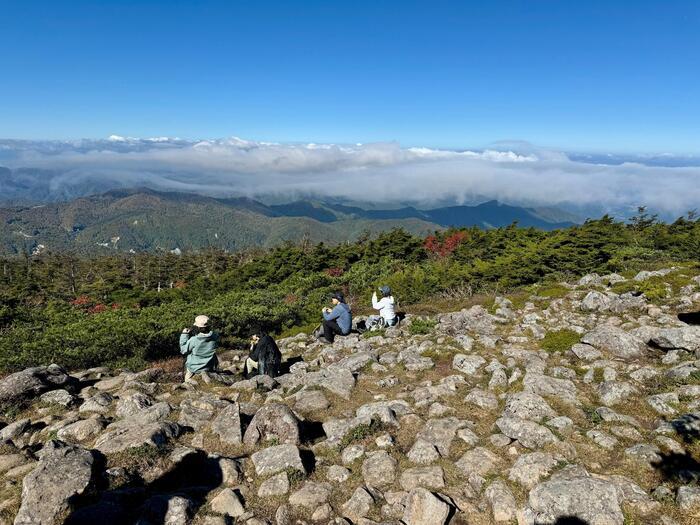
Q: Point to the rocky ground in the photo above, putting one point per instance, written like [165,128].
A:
[579,409]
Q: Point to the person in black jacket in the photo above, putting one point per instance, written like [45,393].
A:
[265,356]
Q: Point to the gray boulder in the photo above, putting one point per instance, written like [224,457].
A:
[468,364]
[547,386]
[595,302]
[440,433]
[311,495]
[429,477]
[594,501]
[340,381]
[81,430]
[20,387]
[616,342]
[227,425]
[527,405]
[197,410]
[425,508]
[502,501]
[379,469]
[131,433]
[529,469]
[528,433]
[614,392]
[272,421]
[272,460]
[359,505]
[63,472]
[58,397]
[684,338]
[479,461]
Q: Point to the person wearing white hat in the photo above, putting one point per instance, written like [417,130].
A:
[199,344]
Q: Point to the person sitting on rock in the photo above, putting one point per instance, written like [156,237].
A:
[338,320]
[385,305]
[265,356]
[199,344]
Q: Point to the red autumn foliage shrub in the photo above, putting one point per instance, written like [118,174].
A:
[98,308]
[81,300]
[334,272]
[445,246]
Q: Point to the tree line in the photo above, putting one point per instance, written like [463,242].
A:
[128,308]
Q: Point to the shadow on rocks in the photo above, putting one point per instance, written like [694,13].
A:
[570,520]
[287,364]
[193,478]
[311,432]
[692,318]
[687,427]
[683,468]
[677,467]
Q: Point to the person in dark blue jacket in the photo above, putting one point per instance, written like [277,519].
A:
[338,320]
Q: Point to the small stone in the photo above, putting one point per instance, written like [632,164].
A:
[688,500]
[423,453]
[277,485]
[275,459]
[429,477]
[602,439]
[228,503]
[311,495]
[359,505]
[337,474]
[424,508]
[502,501]
[379,469]
[352,453]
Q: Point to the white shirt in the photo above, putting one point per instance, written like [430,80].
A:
[385,306]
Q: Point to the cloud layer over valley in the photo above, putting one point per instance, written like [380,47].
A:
[380,172]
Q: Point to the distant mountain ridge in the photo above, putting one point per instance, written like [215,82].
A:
[144,219]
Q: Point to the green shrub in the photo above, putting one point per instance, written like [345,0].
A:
[559,340]
[421,326]
[361,432]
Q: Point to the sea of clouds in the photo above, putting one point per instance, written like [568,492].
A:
[379,172]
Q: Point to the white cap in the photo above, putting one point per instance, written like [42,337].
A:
[201,321]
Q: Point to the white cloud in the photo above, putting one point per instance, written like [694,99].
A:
[515,173]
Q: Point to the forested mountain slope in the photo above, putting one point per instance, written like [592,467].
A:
[146,220]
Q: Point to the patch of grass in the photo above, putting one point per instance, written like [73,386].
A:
[421,326]
[295,476]
[592,415]
[10,411]
[140,457]
[550,290]
[361,432]
[653,289]
[373,333]
[296,330]
[432,353]
[598,375]
[559,340]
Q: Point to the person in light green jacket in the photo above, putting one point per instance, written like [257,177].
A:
[199,344]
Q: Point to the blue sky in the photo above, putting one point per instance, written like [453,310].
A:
[609,75]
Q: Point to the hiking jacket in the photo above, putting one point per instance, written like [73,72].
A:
[341,313]
[385,305]
[200,350]
[268,356]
